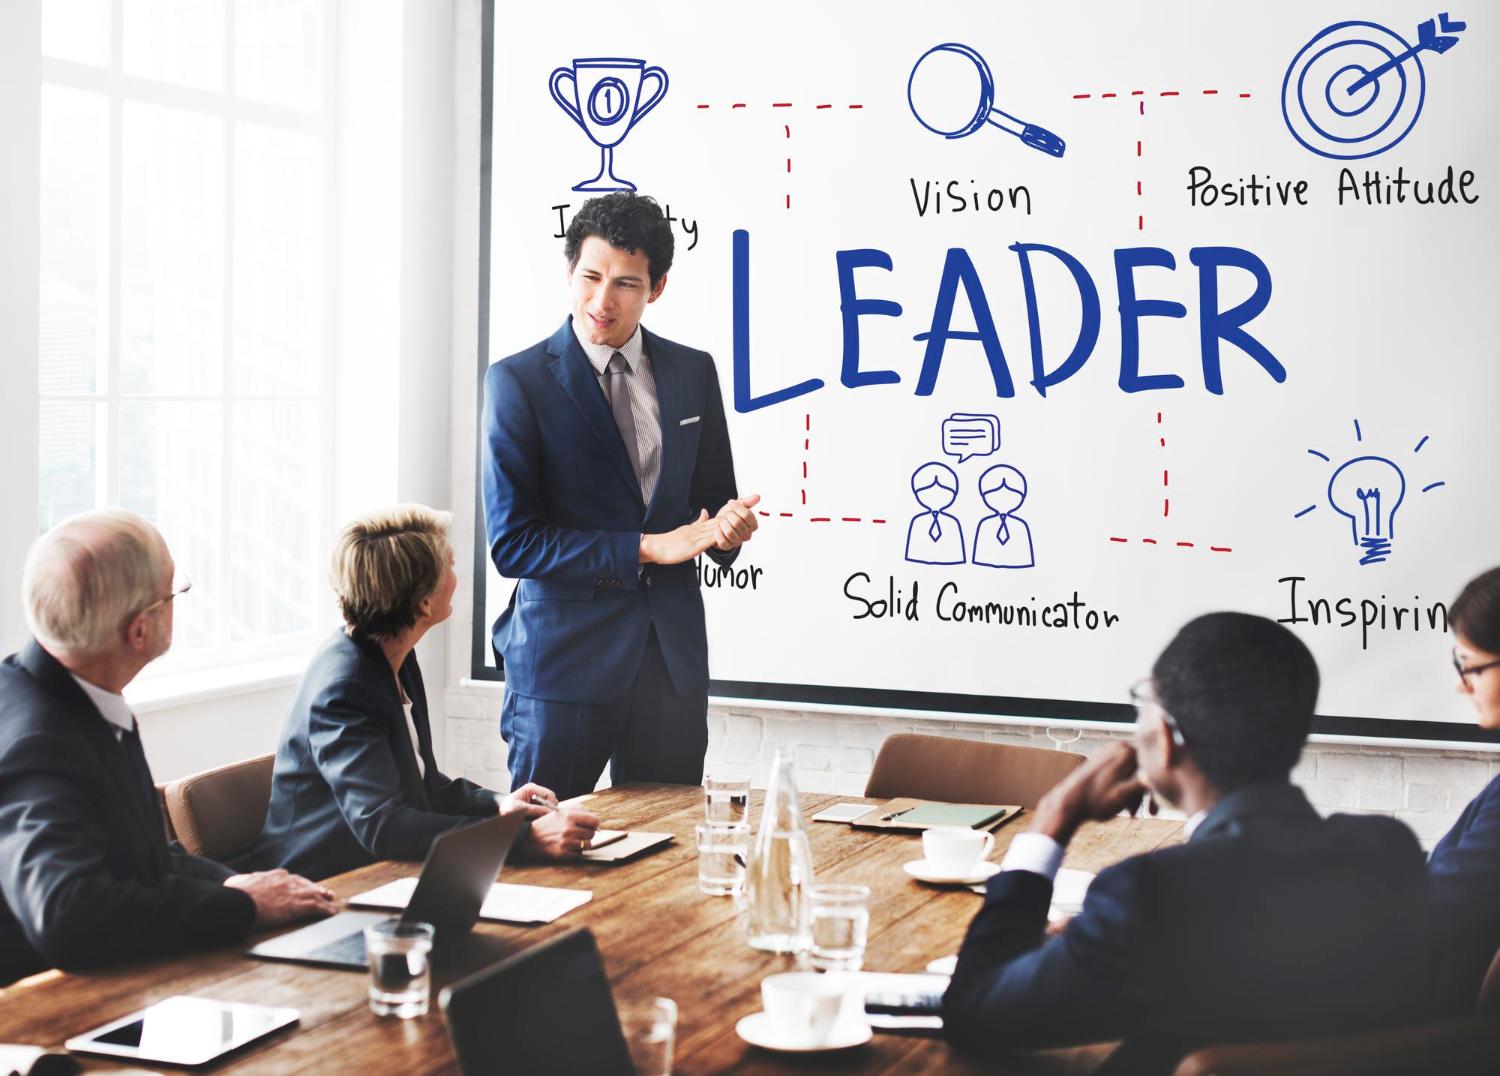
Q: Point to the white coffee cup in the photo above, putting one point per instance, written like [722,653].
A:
[956,850]
[803,1006]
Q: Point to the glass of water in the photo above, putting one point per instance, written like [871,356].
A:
[840,926]
[400,971]
[726,798]
[723,849]
[650,1027]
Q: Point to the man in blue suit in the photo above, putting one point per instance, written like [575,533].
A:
[1269,922]
[606,471]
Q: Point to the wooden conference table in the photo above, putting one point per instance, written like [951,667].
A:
[658,934]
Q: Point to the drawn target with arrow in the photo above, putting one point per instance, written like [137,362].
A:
[1357,89]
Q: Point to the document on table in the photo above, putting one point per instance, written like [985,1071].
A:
[506,903]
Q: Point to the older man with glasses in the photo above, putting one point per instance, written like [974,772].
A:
[1268,922]
[86,874]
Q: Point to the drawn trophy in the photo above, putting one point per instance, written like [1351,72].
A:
[606,102]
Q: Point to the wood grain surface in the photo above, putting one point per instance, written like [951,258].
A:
[658,934]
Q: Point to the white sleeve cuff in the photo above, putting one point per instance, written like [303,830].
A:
[1034,852]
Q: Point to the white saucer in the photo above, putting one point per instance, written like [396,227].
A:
[757,1030]
[921,870]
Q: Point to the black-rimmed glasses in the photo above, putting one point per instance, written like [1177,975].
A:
[1140,699]
[1464,672]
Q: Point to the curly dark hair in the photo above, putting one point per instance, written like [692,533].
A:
[628,222]
[1242,689]
[1475,613]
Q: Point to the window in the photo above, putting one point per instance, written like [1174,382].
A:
[186,327]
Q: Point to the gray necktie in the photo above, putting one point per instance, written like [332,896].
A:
[619,402]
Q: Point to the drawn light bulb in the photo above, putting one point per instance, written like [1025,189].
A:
[1368,490]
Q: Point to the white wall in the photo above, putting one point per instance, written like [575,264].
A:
[20,197]
[1425,787]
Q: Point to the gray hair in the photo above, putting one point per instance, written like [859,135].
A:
[88,576]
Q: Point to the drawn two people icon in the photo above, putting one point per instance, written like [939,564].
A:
[1002,539]
[934,536]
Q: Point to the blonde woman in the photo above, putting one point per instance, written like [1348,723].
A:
[355,778]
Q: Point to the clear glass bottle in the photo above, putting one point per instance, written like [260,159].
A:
[780,873]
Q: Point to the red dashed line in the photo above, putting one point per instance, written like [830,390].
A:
[789,201]
[806,447]
[1142,93]
[856,106]
[788,164]
[1166,507]
[788,104]
[877,521]
[1137,147]
[785,515]
[826,519]
[850,519]
[804,470]
[820,519]
[739,104]
[766,514]
[823,106]
[1179,545]
[1140,223]
[703,106]
[1164,478]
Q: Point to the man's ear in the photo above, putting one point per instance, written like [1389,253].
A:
[135,632]
[657,288]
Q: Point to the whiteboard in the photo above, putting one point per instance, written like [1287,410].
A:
[1149,377]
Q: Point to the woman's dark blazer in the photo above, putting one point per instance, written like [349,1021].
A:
[346,790]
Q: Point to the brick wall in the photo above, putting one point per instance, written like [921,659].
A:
[1425,788]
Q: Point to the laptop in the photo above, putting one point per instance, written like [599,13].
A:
[461,866]
[548,1009]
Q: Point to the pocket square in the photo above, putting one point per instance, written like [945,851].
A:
[689,421]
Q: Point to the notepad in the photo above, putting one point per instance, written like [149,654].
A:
[506,903]
[969,815]
[627,847]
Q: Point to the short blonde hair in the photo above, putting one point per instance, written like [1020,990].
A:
[385,563]
[88,576]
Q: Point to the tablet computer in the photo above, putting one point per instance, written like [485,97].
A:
[183,1030]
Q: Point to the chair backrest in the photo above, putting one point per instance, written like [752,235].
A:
[219,813]
[547,1009]
[966,771]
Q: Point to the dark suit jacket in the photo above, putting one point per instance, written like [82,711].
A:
[1465,878]
[1271,922]
[86,873]
[345,791]
[564,513]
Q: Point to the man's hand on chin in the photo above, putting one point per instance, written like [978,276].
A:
[1101,788]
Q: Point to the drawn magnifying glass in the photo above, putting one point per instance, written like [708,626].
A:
[952,93]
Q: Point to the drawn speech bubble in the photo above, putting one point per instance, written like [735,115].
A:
[967,436]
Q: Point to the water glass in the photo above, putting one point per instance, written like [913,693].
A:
[650,1027]
[840,926]
[723,850]
[726,798]
[400,968]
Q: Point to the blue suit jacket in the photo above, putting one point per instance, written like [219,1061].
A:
[565,518]
[1465,877]
[1270,923]
[86,874]
[346,790]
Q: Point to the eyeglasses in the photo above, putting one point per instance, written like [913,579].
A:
[181,584]
[1472,670]
[1141,700]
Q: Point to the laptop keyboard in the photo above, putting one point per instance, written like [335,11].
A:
[350,949]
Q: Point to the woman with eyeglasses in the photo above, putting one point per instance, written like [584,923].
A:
[1465,866]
